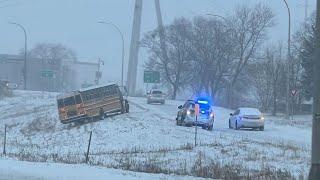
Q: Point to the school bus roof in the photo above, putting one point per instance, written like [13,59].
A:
[68,94]
[97,86]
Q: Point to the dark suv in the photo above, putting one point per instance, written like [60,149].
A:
[187,116]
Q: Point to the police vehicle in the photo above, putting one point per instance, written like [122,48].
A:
[186,115]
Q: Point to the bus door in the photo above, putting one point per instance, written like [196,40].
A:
[80,105]
[70,107]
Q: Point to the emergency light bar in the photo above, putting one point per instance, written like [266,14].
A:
[203,102]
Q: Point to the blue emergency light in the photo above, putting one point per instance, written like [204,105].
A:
[202,102]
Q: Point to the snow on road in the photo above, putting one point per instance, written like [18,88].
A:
[272,131]
[147,134]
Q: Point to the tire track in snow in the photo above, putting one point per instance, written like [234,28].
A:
[145,109]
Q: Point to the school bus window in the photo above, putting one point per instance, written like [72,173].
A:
[78,99]
[69,101]
[60,103]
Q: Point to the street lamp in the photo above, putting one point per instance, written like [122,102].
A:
[25,53]
[215,15]
[288,60]
[121,34]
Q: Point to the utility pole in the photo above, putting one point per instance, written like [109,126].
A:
[134,49]
[315,155]
[161,32]
[99,73]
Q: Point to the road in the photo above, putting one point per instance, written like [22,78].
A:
[301,136]
[148,132]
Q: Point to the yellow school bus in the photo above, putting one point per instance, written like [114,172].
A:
[90,103]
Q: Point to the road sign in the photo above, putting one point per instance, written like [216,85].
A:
[197,109]
[151,77]
[47,74]
[294,92]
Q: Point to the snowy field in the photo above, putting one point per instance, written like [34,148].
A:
[10,169]
[147,140]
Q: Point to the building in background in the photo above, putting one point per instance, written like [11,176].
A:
[47,75]
[85,73]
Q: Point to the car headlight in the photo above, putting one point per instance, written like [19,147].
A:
[211,115]
[262,118]
[188,112]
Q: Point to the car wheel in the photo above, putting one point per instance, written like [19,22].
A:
[178,122]
[230,124]
[261,128]
[236,126]
[182,120]
[210,128]
[127,106]
[101,114]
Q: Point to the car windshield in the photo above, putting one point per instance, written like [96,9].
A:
[250,111]
[191,106]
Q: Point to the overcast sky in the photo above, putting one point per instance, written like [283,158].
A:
[74,23]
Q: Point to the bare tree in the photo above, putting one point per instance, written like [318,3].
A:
[176,70]
[250,26]
[277,72]
[59,56]
[52,52]
[267,75]
[262,84]
[214,51]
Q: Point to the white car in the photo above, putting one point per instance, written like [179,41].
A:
[156,96]
[246,118]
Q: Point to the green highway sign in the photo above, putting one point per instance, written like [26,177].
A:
[47,74]
[151,77]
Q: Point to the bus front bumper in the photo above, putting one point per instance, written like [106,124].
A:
[73,119]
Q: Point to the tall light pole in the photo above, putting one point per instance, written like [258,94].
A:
[134,48]
[121,34]
[215,15]
[288,61]
[25,53]
[315,155]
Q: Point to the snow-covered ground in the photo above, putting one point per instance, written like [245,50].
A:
[148,140]
[10,169]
